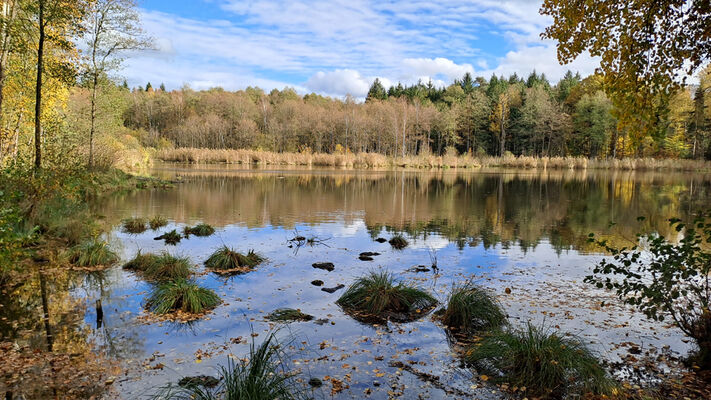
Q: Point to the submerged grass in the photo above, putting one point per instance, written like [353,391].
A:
[547,364]
[260,376]
[181,295]
[157,222]
[227,259]
[92,253]
[378,295]
[287,315]
[134,225]
[199,230]
[471,308]
[172,237]
[398,242]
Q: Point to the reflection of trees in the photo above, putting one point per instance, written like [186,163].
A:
[50,356]
[511,208]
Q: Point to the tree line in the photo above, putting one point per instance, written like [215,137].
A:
[494,116]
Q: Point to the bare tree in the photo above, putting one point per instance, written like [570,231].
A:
[113,27]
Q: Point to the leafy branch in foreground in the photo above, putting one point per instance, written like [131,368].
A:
[665,280]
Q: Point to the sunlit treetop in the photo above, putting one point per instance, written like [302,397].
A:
[646,47]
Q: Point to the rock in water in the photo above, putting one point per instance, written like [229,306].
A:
[333,289]
[365,258]
[328,266]
[317,282]
[369,254]
[381,240]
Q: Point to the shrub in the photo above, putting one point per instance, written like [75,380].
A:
[181,295]
[398,242]
[471,309]
[199,230]
[227,260]
[666,280]
[157,222]
[92,253]
[134,225]
[262,375]
[288,314]
[378,296]
[546,364]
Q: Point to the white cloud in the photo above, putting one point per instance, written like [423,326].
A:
[339,82]
[433,67]
[337,47]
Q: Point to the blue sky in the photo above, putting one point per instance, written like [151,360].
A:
[338,47]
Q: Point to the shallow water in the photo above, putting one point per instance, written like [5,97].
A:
[523,231]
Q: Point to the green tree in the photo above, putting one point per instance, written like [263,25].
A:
[377,91]
[593,124]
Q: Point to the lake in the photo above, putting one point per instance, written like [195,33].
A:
[522,234]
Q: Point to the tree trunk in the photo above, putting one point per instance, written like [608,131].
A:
[502,142]
[8,15]
[38,90]
[93,121]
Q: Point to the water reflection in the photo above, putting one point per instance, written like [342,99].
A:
[509,208]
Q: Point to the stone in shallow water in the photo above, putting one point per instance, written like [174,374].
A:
[381,240]
[317,282]
[333,289]
[365,258]
[328,266]
[315,382]
[369,254]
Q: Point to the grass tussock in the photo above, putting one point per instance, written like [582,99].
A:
[547,364]
[379,296]
[288,315]
[425,160]
[226,259]
[260,375]
[182,296]
[172,237]
[398,242]
[471,308]
[134,225]
[157,222]
[92,253]
[199,230]
[160,268]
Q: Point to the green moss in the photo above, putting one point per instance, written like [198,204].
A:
[547,364]
[181,295]
[92,253]
[379,296]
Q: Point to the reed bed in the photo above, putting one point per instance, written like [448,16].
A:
[465,161]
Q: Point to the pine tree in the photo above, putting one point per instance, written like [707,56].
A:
[376,92]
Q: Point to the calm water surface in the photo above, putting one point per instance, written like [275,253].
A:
[523,231]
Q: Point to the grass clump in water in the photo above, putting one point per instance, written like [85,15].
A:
[471,308]
[261,375]
[160,268]
[172,237]
[288,315]
[398,242]
[157,222]
[141,262]
[134,225]
[378,296]
[92,253]
[226,259]
[547,364]
[199,230]
[182,295]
